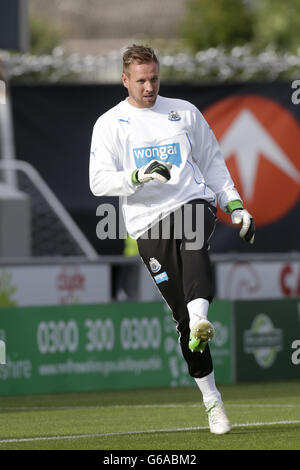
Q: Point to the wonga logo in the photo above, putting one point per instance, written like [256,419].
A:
[260,142]
[166,153]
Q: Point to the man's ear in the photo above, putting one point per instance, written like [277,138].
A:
[124,80]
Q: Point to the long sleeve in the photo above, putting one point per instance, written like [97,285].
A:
[208,157]
[106,176]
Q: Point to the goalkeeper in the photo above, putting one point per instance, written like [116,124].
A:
[160,156]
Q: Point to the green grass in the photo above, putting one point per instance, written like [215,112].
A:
[265,416]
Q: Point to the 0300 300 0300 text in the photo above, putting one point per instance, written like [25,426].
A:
[99,335]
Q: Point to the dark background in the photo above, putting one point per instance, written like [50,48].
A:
[53,127]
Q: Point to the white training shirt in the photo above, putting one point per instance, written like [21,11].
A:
[125,138]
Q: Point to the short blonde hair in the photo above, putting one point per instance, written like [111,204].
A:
[138,55]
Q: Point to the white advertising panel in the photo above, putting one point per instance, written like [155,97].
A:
[54,284]
[257,280]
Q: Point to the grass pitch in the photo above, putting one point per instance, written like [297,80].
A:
[264,416]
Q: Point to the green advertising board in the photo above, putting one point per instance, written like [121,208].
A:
[267,337]
[100,347]
[222,346]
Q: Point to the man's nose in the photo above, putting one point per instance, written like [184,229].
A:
[149,86]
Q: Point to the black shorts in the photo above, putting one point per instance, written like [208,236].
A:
[175,251]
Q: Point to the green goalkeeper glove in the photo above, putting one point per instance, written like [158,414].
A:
[239,215]
[154,170]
